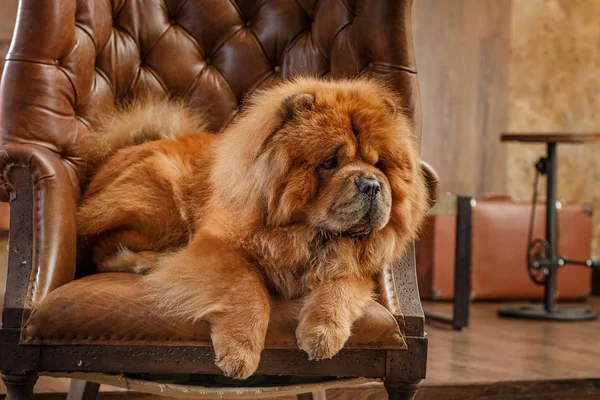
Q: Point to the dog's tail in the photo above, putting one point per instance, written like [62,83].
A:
[139,122]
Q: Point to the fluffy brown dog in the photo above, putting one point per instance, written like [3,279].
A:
[312,189]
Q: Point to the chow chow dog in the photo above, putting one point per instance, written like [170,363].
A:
[307,194]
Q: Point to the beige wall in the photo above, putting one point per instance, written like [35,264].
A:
[8,11]
[462,48]
[519,65]
[554,85]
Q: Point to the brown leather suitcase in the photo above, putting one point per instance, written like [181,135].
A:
[499,252]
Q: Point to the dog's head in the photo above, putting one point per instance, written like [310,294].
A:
[336,156]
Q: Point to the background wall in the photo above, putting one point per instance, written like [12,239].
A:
[462,49]
[8,11]
[7,17]
[487,66]
[554,85]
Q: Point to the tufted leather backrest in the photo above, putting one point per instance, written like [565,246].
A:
[71,59]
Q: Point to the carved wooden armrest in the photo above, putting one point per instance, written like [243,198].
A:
[397,287]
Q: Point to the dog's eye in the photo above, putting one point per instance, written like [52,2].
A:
[330,163]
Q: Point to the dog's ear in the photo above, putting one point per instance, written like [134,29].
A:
[296,104]
[291,107]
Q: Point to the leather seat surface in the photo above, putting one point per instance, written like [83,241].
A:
[110,309]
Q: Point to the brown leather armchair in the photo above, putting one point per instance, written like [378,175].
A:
[68,63]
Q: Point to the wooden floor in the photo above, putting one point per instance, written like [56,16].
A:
[490,350]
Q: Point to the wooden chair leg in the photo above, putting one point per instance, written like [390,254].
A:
[82,390]
[19,387]
[401,390]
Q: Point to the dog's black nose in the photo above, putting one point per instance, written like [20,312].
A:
[368,186]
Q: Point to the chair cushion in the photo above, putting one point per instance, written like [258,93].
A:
[109,309]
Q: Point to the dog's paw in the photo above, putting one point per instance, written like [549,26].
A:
[237,362]
[321,341]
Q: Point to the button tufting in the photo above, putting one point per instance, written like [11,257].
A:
[314,41]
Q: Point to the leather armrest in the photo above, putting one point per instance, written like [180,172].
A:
[397,285]
[43,202]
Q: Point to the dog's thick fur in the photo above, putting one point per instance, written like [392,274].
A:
[307,194]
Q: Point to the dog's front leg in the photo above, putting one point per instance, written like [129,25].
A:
[328,314]
[210,280]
